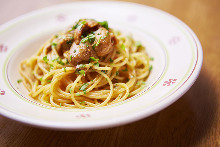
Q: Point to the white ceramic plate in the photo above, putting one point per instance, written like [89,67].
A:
[175,48]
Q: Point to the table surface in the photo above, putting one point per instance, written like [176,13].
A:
[194,120]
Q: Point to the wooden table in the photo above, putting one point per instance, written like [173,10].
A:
[194,120]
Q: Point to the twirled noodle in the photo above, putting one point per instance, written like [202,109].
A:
[53,81]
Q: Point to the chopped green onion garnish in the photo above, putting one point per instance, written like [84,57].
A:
[98,41]
[49,81]
[123,47]
[96,64]
[70,90]
[60,62]
[67,62]
[90,38]
[69,42]
[117,73]
[124,70]
[152,59]
[53,44]
[78,94]
[82,72]
[80,26]
[82,102]
[41,79]
[104,24]
[138,44]
[55,59]
[81,65]
[111,60]
[83,87]
[93,47]
[140,83]
[150,68]
[51,66]
[94,59]
[19,81]
[64,69]
[45,59]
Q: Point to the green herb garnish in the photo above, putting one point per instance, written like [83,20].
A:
[104,24]
[82,72]
[90,38]
[67,62]
[68,42]
[111,60]
[51,66]
[140,83]
[138,44]
[124,70]
[123,47]
[70,90]
[96,64]
[78,94]
[82,102]
[93,47]
[78,26]
[64,69]
[60,62]
[98,41]
[45,59]
[151,58]
[83,87]
[53,44]
[19,81]
[81,25]
[117,73]
[150,68]
[94,59]
[81,65]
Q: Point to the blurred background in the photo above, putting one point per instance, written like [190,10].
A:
[194,120]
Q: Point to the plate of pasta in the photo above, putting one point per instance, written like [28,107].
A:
[71,67]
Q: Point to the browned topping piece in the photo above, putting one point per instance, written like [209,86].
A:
[87,38]
[83,26]
[80,53]
[62,43]
[104,41]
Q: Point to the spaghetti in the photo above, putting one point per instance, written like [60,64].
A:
[53,78]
